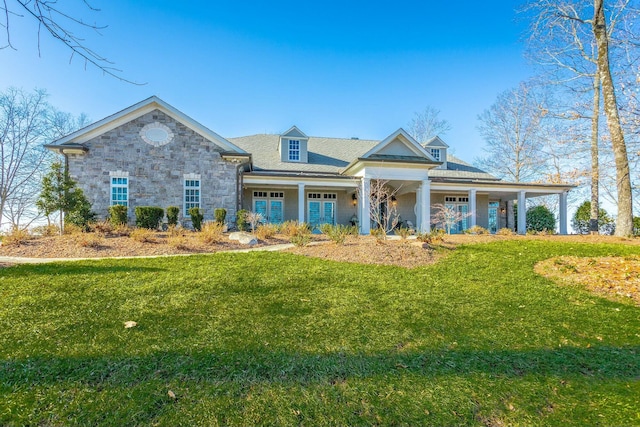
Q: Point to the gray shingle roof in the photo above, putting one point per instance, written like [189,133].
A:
[332,155]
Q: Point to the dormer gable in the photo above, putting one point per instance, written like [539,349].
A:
[294,146]
[400,144]
[438,150]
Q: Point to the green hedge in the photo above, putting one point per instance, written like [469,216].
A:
[118,215]
[149,216]
[196,218]
[172,215]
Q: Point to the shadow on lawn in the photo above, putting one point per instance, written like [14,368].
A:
[70,269]
[597,364]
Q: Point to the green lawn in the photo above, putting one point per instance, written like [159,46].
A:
[278,339]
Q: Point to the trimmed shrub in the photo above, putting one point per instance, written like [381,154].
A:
[220,214]
[118,215]
[241,219]
[172,215]
[81,214]
[582,218]
[148,216]
[196,218]
[540,218]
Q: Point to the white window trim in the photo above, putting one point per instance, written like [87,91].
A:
[118,174]
[294,150]
[436,154]
[190,177]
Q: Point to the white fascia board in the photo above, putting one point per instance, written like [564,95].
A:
[508,188]
[402,174]
[141,108]
[294,128]
[411,143]
[294,181]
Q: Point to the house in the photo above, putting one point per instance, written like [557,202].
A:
[152,154]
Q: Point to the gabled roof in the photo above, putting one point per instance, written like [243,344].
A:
[436,142]
[295,133]
[407,140]
[143,107]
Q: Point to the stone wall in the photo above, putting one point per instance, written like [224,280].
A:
[156,174]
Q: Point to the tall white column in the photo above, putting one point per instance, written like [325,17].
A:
[301,203]
[365,217]
[563,212]
[425,206]
[522,213]
[473,219]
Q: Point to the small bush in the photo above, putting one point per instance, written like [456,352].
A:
[118,215]
[46,230]
[403,232]
[149,217]
[582,219]
[266,231]
[434,236]
[16,237]
[293,228]
[196,218]
[540,218]
[89,240]
[142,235]
[178,241]
[636,225]
[103,227]
[300,239]
[505,232]
[121,230]
[476,229]
[220,214]
[211,232]
[174,230]
[172,215]
[73,229]
[81,215]
[379,234]
[337,233]
[241,219]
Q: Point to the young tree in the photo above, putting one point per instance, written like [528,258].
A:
[426,124]
[383,210]
[447,216]
[512,130]
[60,194]
[581,219]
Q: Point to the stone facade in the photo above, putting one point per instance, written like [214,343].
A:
[156,174]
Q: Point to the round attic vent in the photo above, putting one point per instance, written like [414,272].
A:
[156,134]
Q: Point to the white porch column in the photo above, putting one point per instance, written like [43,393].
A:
[418,209]
[425,206]
[522,213]
[365,217]
[563,212]
[473,219]
[301,203]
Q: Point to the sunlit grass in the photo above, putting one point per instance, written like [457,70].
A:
[279,339]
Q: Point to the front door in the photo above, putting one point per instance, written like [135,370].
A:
[321,209]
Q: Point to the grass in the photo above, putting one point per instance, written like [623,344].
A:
[278,339]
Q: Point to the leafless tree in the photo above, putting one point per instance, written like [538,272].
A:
[426,124]
[512,130]
[447,216]
[61,24]
[383,211]
[27,121]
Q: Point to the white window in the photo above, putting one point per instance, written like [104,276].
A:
[119,188]
[294,150]
[191,192]
[435,153]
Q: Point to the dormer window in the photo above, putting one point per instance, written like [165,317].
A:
[294,150]
[435,153]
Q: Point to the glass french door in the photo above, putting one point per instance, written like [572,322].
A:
[493,217]
[321,212]
[270,205]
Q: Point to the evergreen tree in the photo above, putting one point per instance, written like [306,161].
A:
[60,194]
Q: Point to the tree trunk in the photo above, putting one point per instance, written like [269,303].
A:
[624,221]
[595,167]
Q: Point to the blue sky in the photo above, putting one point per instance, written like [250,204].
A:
[337,69]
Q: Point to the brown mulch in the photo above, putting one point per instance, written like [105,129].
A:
[367,250]
[615,278]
